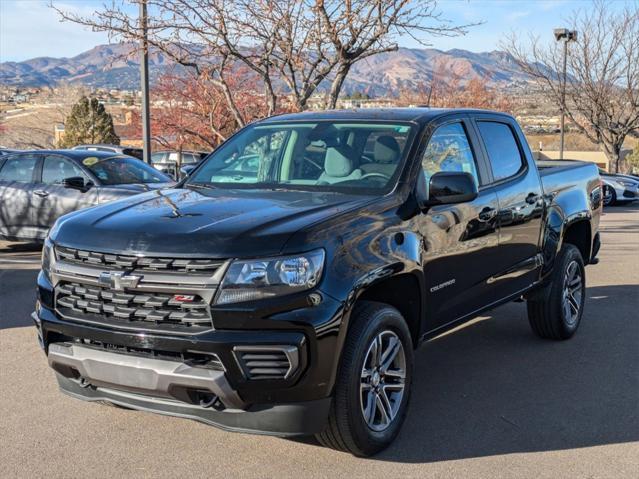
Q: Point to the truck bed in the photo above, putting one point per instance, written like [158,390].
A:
[560,175]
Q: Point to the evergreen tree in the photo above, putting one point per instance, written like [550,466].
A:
[88,123]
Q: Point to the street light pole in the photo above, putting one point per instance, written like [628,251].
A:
[563,103]
[144,74]
[567,36]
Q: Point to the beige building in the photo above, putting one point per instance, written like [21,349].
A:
[597,157]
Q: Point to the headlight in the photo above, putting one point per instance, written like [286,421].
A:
[266,278]
[47,257]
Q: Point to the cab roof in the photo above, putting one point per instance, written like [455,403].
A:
[417,114]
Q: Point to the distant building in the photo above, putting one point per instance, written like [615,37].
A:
[58,133]
[597,157]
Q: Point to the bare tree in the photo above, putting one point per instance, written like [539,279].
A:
[602,82]
[291,46]
[358,29]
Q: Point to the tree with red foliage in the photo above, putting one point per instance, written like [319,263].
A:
[449,91]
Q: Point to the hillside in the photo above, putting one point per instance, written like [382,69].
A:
[115,66]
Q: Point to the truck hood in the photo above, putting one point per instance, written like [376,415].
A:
[206,223]
[115,192]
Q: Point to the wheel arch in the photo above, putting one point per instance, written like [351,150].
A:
[403,291]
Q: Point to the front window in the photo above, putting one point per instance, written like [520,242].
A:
[326,155]
[449,150]
[121,170]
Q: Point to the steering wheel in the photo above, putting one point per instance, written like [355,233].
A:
[373,175]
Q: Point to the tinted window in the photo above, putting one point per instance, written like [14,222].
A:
[189,158]
[449,150]
[134,152]
[55,169]
[503,152]
[122,170]
[158,157]
[18,168]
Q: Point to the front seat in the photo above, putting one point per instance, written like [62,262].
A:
[385,157]
[339,165]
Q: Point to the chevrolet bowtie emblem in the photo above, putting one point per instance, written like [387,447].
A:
[118,280]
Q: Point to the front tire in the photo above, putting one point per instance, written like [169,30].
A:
[555,311]
[373,385]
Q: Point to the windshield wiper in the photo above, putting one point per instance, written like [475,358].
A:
[204,186]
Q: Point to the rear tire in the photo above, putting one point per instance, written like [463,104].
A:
[555,311]
[610,196]
[373,384]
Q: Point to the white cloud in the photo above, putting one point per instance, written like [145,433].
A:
[517,15]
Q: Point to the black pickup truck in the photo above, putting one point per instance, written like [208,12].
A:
[284,285]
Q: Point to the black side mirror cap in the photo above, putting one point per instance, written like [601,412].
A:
[449,187]
[74,182]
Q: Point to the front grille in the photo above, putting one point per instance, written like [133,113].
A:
[138,263]
[130,309]
[267,362]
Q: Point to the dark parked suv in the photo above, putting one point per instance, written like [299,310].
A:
[283,286]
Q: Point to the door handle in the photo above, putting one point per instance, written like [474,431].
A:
[487,214]
[41,193]
[532,198]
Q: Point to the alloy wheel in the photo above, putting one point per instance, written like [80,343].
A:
[607,197]
[383,380]
[572,292]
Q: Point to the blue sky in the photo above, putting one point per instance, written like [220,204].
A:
[29,28]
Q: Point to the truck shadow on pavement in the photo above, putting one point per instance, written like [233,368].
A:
[17,296]
[494,388]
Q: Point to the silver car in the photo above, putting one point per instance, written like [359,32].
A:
[619,188]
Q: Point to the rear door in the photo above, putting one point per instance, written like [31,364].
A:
[17,197]
[516,181]
[52,199]
[461,240]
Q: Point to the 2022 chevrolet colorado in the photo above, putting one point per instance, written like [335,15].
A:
[283,286]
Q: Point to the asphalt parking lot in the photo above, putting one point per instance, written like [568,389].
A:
[489,400]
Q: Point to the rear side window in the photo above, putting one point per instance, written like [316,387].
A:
[18,168]
[449,150]
[503,151]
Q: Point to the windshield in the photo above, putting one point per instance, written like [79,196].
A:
[326,155]
[121,170]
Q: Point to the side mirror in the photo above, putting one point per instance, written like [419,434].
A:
[449,187]
[186,170]
[74,183]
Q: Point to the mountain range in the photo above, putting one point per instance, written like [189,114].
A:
[116,66]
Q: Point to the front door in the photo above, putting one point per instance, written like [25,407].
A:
[461,240]
[52,199]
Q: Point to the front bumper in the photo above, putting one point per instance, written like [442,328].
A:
[292,419]
[161,372]
[155,377]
